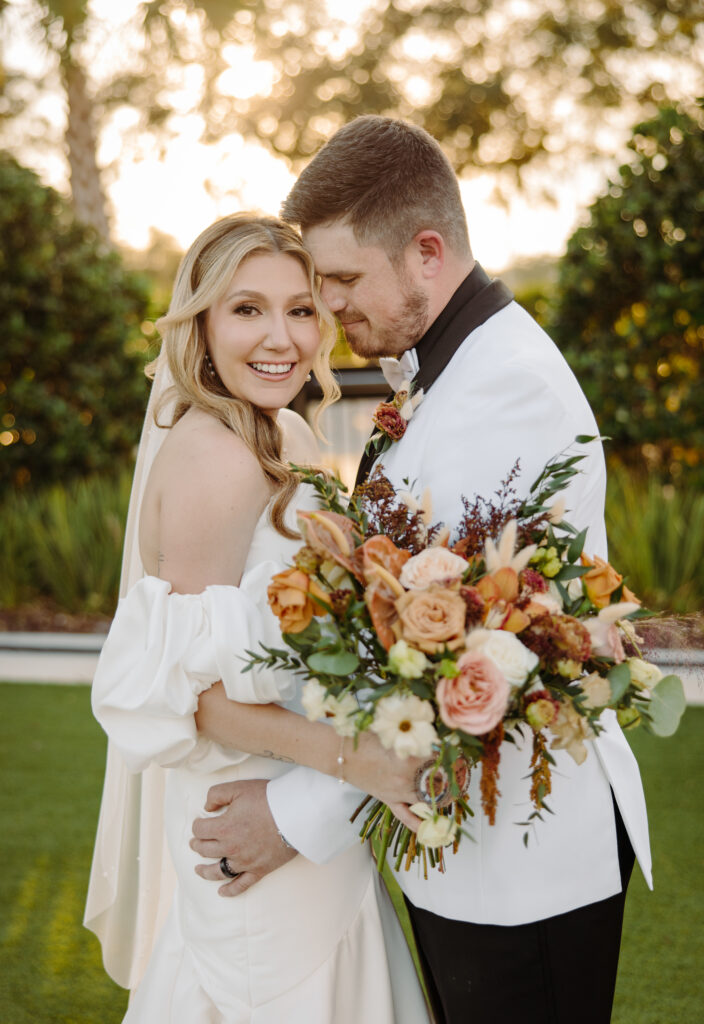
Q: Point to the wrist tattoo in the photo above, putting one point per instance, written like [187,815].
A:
[277,757]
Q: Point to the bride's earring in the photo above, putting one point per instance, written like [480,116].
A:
[309,377]
[209,365]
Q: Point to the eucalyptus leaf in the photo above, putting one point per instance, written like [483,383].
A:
[334,663]
[620,679]
[666,707]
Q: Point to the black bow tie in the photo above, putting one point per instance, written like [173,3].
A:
[476,299]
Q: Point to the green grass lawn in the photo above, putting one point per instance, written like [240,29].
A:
[51,758]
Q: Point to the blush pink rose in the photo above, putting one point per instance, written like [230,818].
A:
[475,701]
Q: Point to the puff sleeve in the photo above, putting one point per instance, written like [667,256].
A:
[164,649]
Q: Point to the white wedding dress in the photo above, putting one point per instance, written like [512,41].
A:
[308,944]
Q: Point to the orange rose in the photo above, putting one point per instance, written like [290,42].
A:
[601,581]
[289,596]
[432,619]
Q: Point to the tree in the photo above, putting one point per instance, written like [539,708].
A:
[72,391]
[630,309]
[64,23]
[503,85]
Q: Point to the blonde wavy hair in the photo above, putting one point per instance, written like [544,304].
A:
[202,279]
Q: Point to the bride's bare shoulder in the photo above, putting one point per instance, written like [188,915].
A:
[202,452]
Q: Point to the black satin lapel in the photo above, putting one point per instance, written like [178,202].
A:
[492,297]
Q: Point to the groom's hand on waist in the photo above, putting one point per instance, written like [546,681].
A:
[245,833]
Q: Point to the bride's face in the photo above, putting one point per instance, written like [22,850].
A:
[263,334]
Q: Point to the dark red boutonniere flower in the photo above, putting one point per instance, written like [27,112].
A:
[390,421]
[391,418]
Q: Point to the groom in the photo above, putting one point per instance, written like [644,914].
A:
[509,932]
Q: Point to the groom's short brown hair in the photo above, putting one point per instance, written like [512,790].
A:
[387,179]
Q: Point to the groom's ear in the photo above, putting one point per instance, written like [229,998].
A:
[430,253]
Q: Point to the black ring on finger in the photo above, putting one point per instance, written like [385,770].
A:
[227,870]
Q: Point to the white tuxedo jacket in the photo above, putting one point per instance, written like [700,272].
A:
[506,394]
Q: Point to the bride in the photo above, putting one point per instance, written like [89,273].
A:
[308,944]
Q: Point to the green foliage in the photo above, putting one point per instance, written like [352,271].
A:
[72,391]
[63,545]
[488,78]
[53,753]
[630,308]
[667,705]
[656,535]
[659,979]
[500,84]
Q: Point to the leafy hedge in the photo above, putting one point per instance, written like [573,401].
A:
[629,312]
[72,390]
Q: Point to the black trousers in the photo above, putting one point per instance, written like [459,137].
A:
[561,970]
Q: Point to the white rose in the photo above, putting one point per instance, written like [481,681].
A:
[433,565]
[314,698]
[435,829]
[644,675]
[405,724]
[507,652]
[406,661]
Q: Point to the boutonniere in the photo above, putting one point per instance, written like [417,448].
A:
[391,418]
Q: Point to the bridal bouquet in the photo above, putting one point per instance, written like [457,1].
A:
[447,646]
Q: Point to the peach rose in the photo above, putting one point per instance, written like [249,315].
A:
[475,701]
[601,581]
[289,596]
[432,565]
[432,619]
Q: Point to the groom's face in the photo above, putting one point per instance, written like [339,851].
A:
[382,308]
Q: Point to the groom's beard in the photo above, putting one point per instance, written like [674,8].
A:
[394,334]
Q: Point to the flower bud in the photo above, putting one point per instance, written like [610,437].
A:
[628,718]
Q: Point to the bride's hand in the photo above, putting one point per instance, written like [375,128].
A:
[373,769]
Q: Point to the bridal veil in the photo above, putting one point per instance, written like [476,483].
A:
[132,878]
